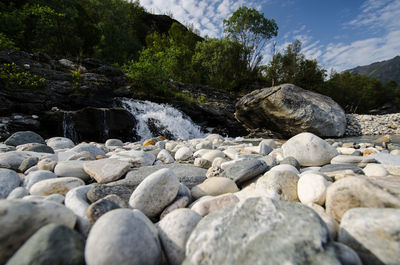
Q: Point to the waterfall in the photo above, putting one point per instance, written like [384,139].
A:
[106,131]
[68,127]
[161,119]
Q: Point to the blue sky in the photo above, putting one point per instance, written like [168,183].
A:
[340,34]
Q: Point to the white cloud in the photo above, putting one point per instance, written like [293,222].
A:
[206,15]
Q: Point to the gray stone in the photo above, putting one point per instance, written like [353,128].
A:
[155,192]
[24,137]
[123,236]
[283,183]
[92,149]
[264,149]
[358,161]
[135,158]
[179,202]
[84,155]
[71,168]
[387,159]
[186,173]
[9,180]
[102,206]
[52,244]
[55,198]
[114,142]
[77,202]
[244,170]
[20,219]
[289,160]
[60,143]
[27,163]
[274,232]
[36,176]
[355,192]
[309,150]
[98,192]
[373,234]
[346,255]
[17,193]
[174,231]
[35,147]
[14,159]
[106,170]
[55,185]
[289,110]
[341,167]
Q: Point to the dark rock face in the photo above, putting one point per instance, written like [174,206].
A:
[91,124]
[289,110]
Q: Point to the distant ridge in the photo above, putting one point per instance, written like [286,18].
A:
[384,70]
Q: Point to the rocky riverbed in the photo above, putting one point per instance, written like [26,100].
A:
[372,124]
[210,200]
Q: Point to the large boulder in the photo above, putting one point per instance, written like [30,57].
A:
[289,110]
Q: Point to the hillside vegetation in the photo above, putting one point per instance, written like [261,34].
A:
[154,50]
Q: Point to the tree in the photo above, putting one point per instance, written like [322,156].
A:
[251,29]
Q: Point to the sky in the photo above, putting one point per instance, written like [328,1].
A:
[340,34]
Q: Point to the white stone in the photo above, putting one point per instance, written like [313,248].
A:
[375,170]
[311,188]
[71,168]
[37,176]
[285,167]
[213,203]
[76,200]
[55,185]
[183,153]
[136,158]
[165,157]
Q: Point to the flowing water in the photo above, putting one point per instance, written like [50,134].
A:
[68,127]
[161,119]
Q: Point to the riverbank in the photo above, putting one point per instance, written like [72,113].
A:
[358,125]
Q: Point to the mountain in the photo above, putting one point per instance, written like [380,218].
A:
[385,70]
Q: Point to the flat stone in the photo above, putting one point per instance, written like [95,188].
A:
[214,186]
[187,174]
[309,150]
[60,143]
[77,202]
[274,232]
[123,236]
[36,176]
[92,149]
[71,168]
[209,204]
[341,167]
[24,137]
[282,183]
[311,188]
[20,219]
[98,192]
[373,234]
[9,180]
[35,147]
[355,192]
[49,246]
[100,207]
[386,159]
[174,231]
[135,158]
[155,192]
[358,161]
[245,170]
[55,185]
[106,170]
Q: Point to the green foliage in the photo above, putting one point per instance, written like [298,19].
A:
[76,79]
[220,63]
[14,77]
[251,29]
[6,43]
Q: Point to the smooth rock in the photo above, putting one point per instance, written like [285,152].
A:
[52,244]
[92,149]
[174,231]
[341,167]
[13,159]
[114,142]
[17,193]
[135,158]
[123,236]
[311,188]
[213,154]
[9,180]
[77,202]
[274,232]
[355,192]
[201,162]
[375,170]
[309,150]
[155,192]
[24,137]
[71,168]
[165,157]
[386,159]
[289,160]
[264,149]
[284,167]
[208,204]
[36,176]
[46,164]
[373,234]
[102,206]
[58,198]
[27,163]
[283,183]
[186,173]
[346,255]
[331,223]
[84,155]
[245,170]
[178,203]
[98,192]
[358,161]
[183,153]
[214,186]
[60,143]
[106,170]
[55,185]
[204,145]
[35,147]
[20,219]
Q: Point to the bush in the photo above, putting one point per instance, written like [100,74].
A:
[14,77]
